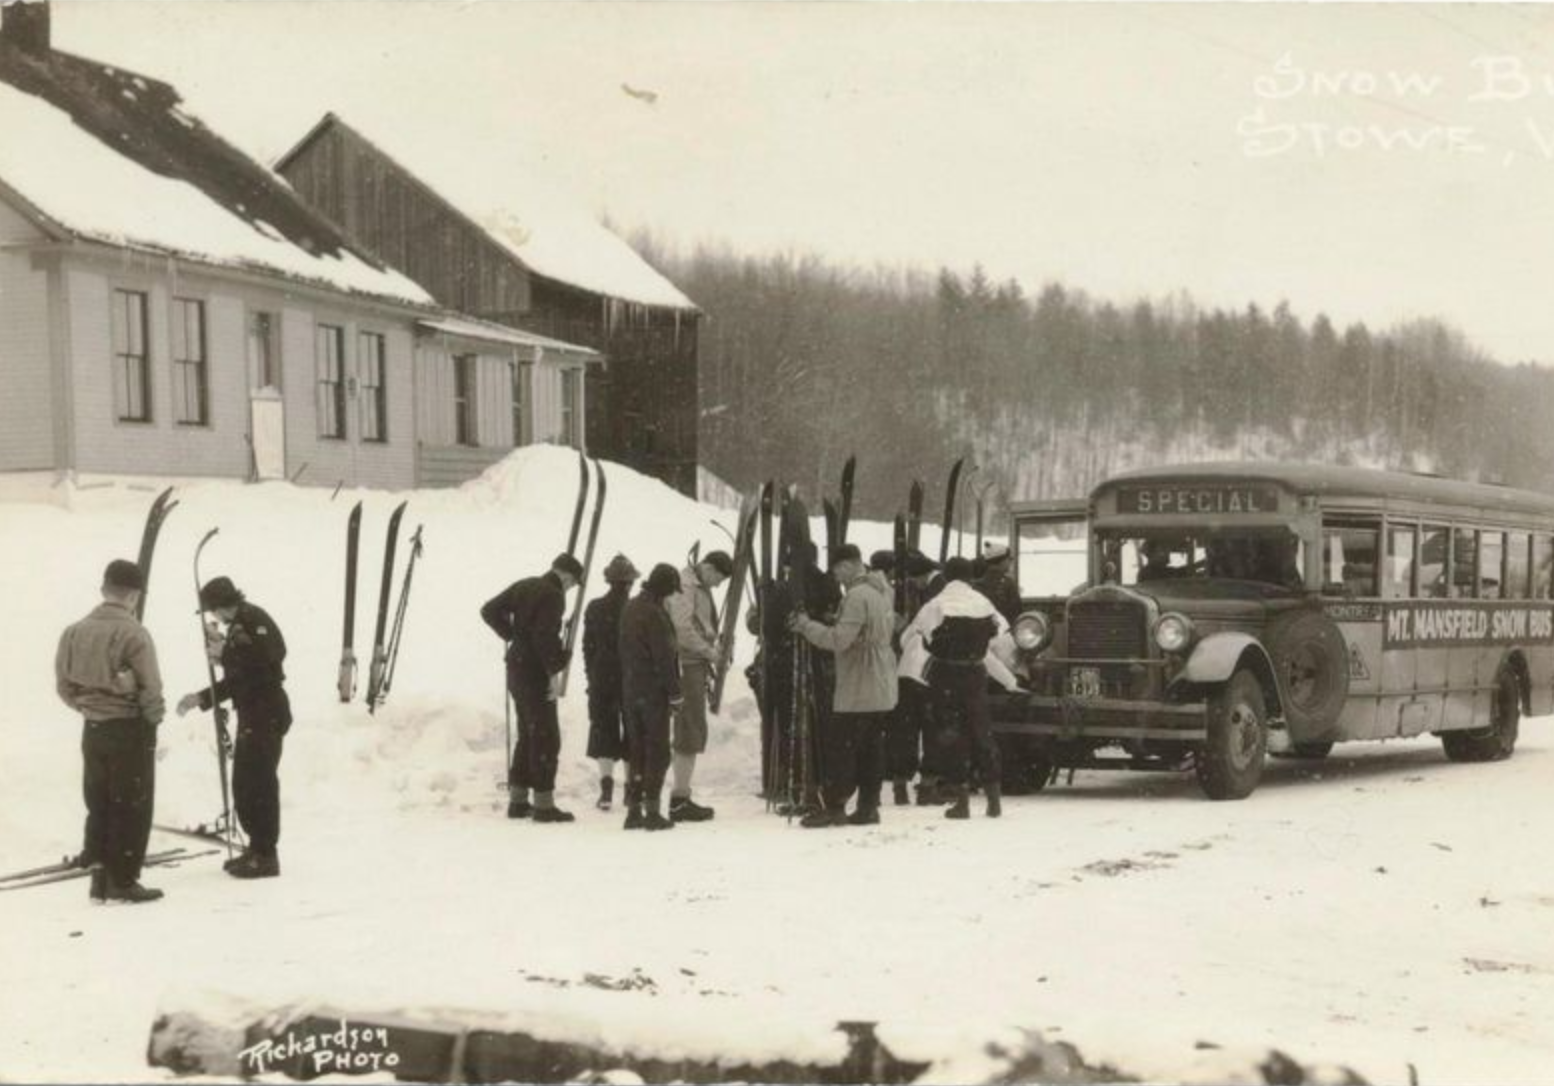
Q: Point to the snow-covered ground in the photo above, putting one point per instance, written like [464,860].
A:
[1383,910]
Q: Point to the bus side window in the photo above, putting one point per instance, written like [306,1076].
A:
[1400,562]
[1432,562]
[1491,559]
[1516,565]
[1542,567]
[1464,562]
[1349,558]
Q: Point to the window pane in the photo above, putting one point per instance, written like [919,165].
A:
[1464,562]
[1400,562]
[1433,545]
[1491,552]
[1542,567]
[1516,550]
[131,372]
[1349,558]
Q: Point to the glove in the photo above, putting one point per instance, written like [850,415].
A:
[554,692]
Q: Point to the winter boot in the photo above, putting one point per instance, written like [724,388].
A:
[653,817]
[635,820]
[519,808]
[553,814]
[822,818]
[99,880]
[130,893]
[995,799]
[685,809]
[898,791]
[961,808]
[251,865]
[606,793]
[233,861]
[864,816]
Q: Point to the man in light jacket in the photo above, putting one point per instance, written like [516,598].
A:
[696,634]
[865,690]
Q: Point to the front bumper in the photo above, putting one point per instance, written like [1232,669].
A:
[1098,718]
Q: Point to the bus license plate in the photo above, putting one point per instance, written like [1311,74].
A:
[1084,682]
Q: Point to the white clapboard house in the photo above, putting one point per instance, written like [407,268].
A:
[170,307]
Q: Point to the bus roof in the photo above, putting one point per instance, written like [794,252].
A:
[1335,481]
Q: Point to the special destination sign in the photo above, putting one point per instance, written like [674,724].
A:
[1200,500]
[1448,623]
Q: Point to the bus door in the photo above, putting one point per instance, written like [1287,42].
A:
[1408,713]
[1462,656]
[1051,553]
[1351,590]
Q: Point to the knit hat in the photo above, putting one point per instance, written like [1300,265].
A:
[565,563]
[720,561]
[883,561]
[219,592]
[846,552]
[994,552]
[663,582]
[958,569]
[620,570]
[123,575]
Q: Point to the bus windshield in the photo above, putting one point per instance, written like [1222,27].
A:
[1264,557]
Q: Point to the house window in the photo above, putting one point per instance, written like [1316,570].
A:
[571,384]
[263,359]
[464,399]
[190,395]
[131,362]
[329,349]
[520,376]
[369,361]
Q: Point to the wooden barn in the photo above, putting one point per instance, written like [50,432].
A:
[168,306]
[540,264]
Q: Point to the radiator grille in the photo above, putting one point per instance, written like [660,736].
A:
[1109,630]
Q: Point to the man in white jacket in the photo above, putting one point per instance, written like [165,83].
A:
[696,633]
[956,642]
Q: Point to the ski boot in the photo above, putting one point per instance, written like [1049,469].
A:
[928,793]
[553,814]
[653,817]
[864,816]
[251,865]
[234,861]
[898,791]
[961,807]
[635,819]
[519,808]
[130,893]
[821,818]
[99,884]
[995,800]
[685,809]
[606,793]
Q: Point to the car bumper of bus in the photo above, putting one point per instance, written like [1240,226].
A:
[1065,718]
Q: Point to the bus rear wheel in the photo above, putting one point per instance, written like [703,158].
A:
[1229,764]
[1496,742]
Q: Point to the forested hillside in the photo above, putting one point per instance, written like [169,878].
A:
[804,362]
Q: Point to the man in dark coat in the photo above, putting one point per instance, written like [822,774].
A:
[106,670]
[528,616]
[996,583]
[602,663]
[251,654]
[651,695]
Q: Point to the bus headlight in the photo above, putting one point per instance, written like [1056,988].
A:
[1032,631]
[1173,632]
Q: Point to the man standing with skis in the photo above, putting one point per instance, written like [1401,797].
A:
[959,636]
[602,664]
[865,691]
[696,633]
[528,616]
[650,694]
[106,670]
[251,654]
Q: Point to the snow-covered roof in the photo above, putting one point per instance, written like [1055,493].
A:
[545,228]
[109,156]
[473,328]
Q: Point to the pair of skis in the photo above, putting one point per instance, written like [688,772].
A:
[160,508]
[575,621]
[838,516]
[744,547]
[385,639]
[66,870]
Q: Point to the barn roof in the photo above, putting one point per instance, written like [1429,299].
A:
[546,231]
[101,154]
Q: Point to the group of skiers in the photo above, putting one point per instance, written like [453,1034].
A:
[106,669]
[858,679]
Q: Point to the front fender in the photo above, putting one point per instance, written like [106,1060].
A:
[1216,658]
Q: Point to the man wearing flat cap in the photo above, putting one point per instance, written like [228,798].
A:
[106,670]
[528,616]
[251,654]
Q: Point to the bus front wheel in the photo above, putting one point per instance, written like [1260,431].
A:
[1229,764]
[1496,742]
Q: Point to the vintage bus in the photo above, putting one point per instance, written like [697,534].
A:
[1226,612]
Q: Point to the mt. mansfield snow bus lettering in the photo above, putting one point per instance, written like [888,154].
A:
[1447,624]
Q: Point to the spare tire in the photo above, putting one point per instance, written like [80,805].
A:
[1311,659]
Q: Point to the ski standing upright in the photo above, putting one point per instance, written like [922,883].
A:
[744,544]
[379,647]
[576,619]
[353,532]
[218,712]
[160,507]
[398,629]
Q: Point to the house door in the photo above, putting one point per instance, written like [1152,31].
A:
[267,427]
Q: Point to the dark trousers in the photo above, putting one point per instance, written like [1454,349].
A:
[119,783]
[908,733]
[539,734]
[855,759]
[606,724]
[647,744]
[256,785]
[959,704]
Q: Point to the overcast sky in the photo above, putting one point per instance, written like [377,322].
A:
[1377,163]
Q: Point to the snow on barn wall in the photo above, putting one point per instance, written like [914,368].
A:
[27,403]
